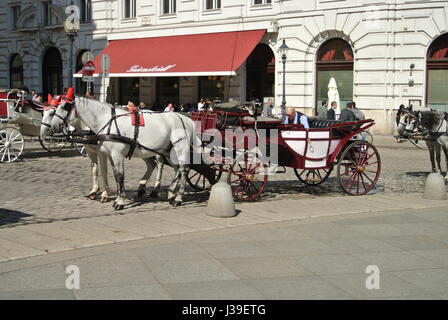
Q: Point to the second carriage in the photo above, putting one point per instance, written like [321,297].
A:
[21,117]
[312,153]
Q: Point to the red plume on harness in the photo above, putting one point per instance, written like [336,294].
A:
[70,94]
[56,101]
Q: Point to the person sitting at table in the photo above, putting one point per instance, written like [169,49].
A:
[295,117]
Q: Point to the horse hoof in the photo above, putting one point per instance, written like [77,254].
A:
[171,200]
[141,193]
[104,199]
[114,204]
[119,207]
[177,203]
[92,196]
[153,194]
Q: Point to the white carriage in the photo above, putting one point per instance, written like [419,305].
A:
[20,117]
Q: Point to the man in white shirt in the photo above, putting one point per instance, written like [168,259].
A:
[169,108]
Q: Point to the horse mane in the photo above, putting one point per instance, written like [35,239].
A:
[100,104]
[430,119]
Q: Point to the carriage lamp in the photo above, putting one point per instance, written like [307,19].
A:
[71,27]
[411,77]
[283,50]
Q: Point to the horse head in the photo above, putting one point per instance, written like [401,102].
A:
[408,123]
[63,113]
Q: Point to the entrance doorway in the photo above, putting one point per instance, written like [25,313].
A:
[52,73]
[260,73]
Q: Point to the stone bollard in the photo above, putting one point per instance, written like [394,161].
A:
[435,188]
[220,203]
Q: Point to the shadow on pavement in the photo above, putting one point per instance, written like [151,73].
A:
[11,216]
[45,154]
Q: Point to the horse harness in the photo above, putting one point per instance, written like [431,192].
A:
[92,138]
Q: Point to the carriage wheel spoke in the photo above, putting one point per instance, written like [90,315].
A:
[368,177]
[363,183]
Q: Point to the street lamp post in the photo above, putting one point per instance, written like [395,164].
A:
[71,27]
[283,50]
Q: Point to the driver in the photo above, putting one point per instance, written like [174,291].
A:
[295,117]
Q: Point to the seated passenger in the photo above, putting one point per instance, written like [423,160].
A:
[295,117]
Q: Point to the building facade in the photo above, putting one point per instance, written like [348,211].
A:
[381,53]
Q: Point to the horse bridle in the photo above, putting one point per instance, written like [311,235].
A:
[45,109]
[69,106]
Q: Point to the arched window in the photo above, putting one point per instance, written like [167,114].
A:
[437,77]
[334,60]
[16,72]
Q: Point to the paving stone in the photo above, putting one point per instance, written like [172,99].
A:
[138,292]
[264,267]
[13,250]
[434,281]
[194,270]
[331,264]
[437,256]
[300,247]
[244,249]
[390,286]
[36,278]
[178,251]
[297,288]
[413,242]
[213,290]
[55,294]
[390,261]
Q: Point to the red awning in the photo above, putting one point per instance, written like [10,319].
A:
[186,55]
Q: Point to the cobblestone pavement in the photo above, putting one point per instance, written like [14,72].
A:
[43,187]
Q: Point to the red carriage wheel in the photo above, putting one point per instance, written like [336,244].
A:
[313,177]
[359,168]
[248,177]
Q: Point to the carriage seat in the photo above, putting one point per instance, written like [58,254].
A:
[322,123]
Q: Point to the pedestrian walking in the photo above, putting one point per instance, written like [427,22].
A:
[331,113]
[322,110]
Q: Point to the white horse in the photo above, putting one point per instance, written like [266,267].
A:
[169,135]
[99,160]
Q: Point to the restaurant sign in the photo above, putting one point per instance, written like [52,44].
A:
[139,69]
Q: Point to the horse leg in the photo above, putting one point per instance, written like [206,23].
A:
[444,147]
[105,196]
[150,164]
[437,148]
[173,186]
[158,185]
[430,145]
[119,177]
[117,162]
[95,186]
[183,179]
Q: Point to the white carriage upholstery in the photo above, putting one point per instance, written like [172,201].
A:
[313,145]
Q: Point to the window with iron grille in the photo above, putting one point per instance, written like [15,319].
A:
[168,6]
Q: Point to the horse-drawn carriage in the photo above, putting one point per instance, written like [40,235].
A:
[21,117]
[312,153]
